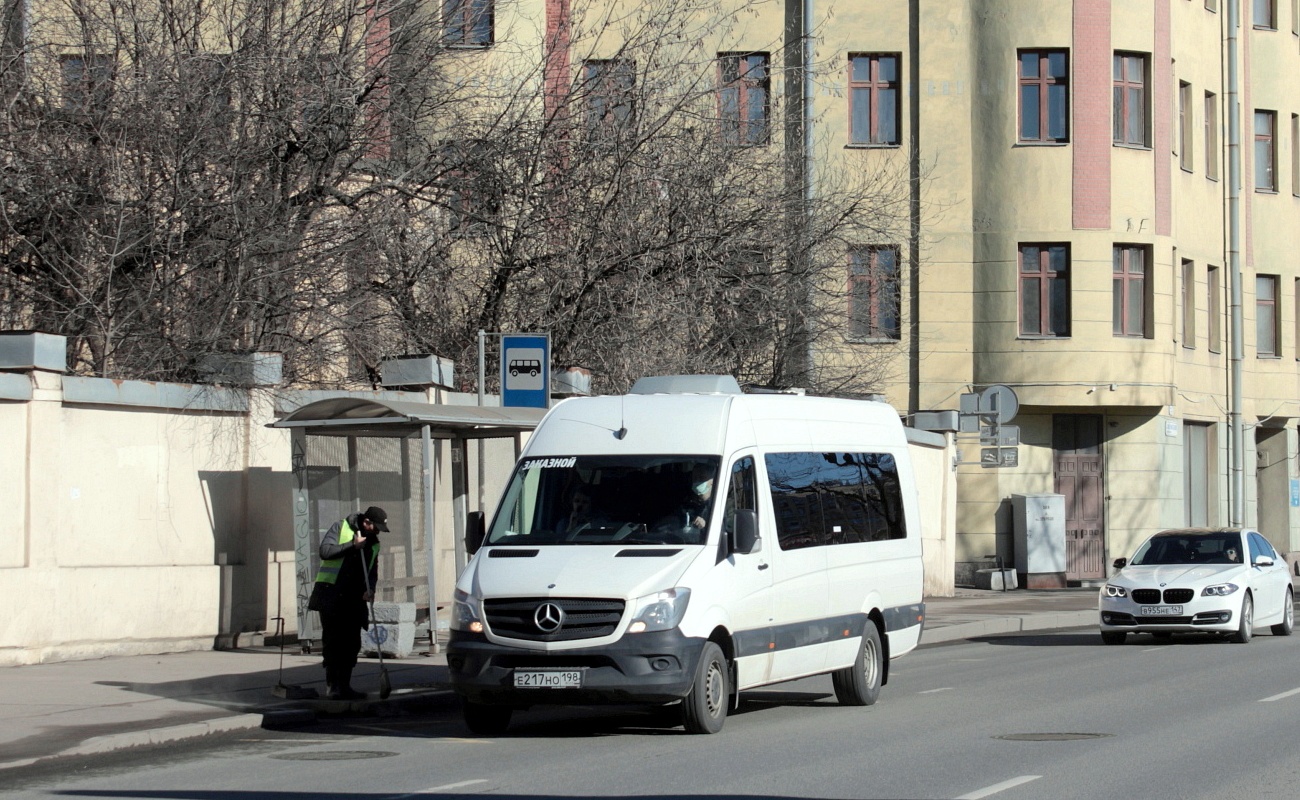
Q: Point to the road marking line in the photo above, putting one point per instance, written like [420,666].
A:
[435,789]
[1280,696]
[932,691]
[999,787]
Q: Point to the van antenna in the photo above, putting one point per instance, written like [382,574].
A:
[622,421]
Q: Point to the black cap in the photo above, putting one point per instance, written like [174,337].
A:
[378,516]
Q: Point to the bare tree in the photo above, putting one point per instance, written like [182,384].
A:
[333,181]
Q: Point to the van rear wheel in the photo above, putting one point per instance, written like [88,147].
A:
[705,708]
[859,685]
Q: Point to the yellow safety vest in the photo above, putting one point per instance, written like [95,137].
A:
[329,568]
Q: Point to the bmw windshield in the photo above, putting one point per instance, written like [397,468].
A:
[1189,548]
[619,500]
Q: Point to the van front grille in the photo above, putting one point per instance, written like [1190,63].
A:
[534,618]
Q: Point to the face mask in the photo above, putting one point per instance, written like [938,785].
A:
[702,488]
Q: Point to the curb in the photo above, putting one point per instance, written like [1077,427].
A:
[987,627]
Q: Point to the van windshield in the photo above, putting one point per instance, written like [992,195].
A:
[619,500]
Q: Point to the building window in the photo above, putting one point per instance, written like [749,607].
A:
[873,99]
[1129,295]
[1297,319]
[87,82]
[609,85]
[1212,5]
[1295,153]
[1044,290]
[744,91]
[1213,315]
[1189,303]
[874,293]
[468,23]
[473,194]
[1263,15]
[1211,136]
[1044,96]
[1185,125]
[1266,330]
[1265,151]
[1130,99]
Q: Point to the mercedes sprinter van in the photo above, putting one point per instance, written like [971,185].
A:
[686,542]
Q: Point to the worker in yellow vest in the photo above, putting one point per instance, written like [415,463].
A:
[348,547]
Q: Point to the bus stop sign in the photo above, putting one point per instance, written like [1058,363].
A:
[525,370]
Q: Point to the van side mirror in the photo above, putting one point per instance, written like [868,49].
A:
[474,532]
[744,535]
[1120,562]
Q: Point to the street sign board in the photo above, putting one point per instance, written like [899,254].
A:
[1000,435]
[525,370]
[994,457]
[1000,400]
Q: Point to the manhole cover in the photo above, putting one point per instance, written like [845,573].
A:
[333,755]
[1050,737]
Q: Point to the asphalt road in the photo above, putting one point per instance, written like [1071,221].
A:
[1025,716]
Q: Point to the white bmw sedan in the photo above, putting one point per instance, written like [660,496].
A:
[1199,580]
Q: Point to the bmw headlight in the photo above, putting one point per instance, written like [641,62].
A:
[1111,590]
[1219,590]
[464,613]
[661,611]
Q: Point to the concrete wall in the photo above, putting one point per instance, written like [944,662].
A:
[150,518]
[936,483]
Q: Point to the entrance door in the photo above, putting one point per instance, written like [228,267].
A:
[1076,444]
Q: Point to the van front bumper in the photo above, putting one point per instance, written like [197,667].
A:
[654,667]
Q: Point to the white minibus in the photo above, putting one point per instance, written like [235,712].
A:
[686,542]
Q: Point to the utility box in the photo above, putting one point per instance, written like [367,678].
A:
[1040,540]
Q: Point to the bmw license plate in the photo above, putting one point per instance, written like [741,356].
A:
[1161,611]
[548,679]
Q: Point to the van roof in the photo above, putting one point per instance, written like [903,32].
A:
[697,424]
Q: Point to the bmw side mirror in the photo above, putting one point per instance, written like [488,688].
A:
[1120,562]
[744,535]
[474,531]
[1263,561]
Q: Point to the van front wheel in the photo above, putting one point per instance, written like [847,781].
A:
[705,708]
[859,685]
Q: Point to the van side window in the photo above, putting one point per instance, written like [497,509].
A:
[835,498]
[742,494]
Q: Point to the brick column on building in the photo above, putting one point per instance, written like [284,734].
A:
[1091,125]
[1162,74]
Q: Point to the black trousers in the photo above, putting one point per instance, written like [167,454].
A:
[341,642]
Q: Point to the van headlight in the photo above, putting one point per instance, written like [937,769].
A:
[464,613]
[661,611]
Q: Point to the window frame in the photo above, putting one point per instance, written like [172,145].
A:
[1266,309]
[1189,303]
[874,86]
[91,90]
[1269,9]
[1043,83]
[468,24]
[880,290]
[1211,110]
[1044,277]
[603,123]
[1213,307]
[1123,86]
[1125,282]
[738,130]
[1267,141]
[1185,142]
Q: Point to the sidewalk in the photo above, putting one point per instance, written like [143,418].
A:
[86,707]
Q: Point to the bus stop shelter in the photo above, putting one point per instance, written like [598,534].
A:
[349,453]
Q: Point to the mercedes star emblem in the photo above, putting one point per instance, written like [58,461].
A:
[548,617]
